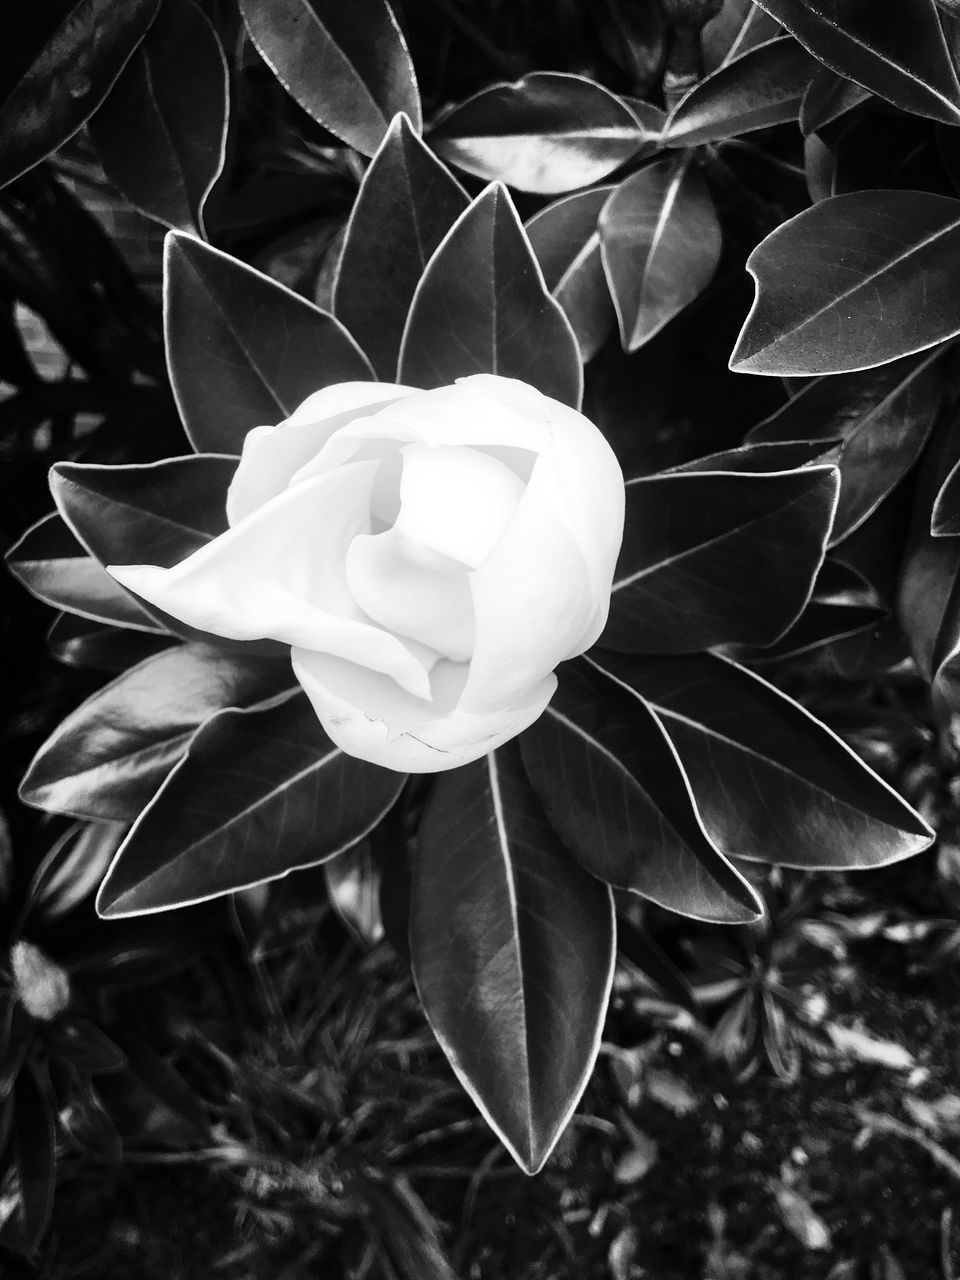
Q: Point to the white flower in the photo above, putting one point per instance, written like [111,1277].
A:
[430,556]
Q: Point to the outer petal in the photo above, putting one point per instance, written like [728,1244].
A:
[280,574]
[445,742]
[272,455]
[533,600]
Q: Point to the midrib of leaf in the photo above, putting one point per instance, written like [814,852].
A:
[162,122]
[659,230]
[154,516]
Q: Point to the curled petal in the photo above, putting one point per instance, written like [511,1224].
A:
[280,574]
[533,600]
[273,455]
[352,706]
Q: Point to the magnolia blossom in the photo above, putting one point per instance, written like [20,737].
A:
[429,556]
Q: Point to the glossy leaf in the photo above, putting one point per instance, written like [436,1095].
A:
[55,567]
[107,758]
[945,517]
[612,786]
[512,945]
[883,417]
[828,97]
[61,59]
[660,243]
[276,795]
[772,784]
[763,87]
[347,65]
[161,133]
[566,240]
[897,51]
[242,350]
[482,307]
[98,646]
[549,132]
[407,203]
[738,26]
[718,557]
[854,282]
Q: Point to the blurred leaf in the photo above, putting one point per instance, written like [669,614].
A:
[565,238]
[762,87]
[168,1096]
[800,1218]
[407,203]
[513,947]
[244,351]
[80,642]
[55,567]
[641,950]
[353,885]
[89,1050]
[71,871]
[660,244]
[549,132]
[347,65]
[883,417]
[718,557]
[896,51]
[59,63]
[161,133]
[33,1158]
[107,758]
[6,861]
[612,786]
[639,1160]
[852,283]
[867,1048]
[740,25]
[265,778]
[771,783]
[482,307]
[828,97]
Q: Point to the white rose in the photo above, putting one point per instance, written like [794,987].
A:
[430,556]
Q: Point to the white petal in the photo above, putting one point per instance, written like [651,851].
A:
[280,574]
[456,500]
[272,455]
[533,600]
[413,590]
[347,704]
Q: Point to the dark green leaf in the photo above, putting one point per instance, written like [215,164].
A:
[79,642]
[739,26]
[70,872]
[259,793]
[549,132]
[566,240]
[642,951]
[407,203]
[945,517]
[897,51]
[883,417]
[660,244]
[854,282]
[55,567]
[772,784]
[161,133]
[762,87]
[33,1162]
[612,786]
[512,944]
[482,307]
[61,58]
[828,97]
[346,64]
[244,351]
[107,758]
[718,557]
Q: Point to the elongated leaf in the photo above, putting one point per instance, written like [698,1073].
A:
[854,282]
[259,793]
[828,97]
[60,60]
[763,87]
[718,557]
[108,757]
[482,307]
[161,133]
[897,51]
[762,458]
[55,567]
[549,132]
[772,784]
[945,517]
[660,242]
[512,945]
[407,203]
[566,240]
[612,786]
[347,65]
[244,351]
[34,1162]
[883,417]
